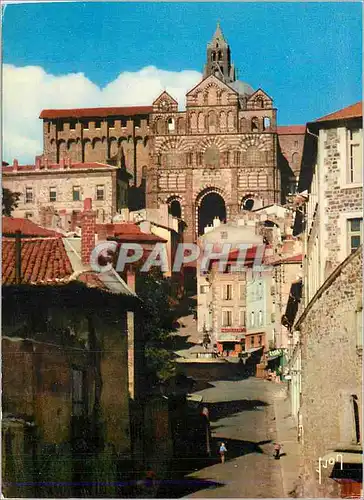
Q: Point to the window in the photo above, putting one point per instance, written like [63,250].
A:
[355,233]
[242,291]
[170,124]
[85,125]
[204,289]
[78,392]
[76,193]
[242,317]
[227,318]
[52,194]
[98,124]
[355,407]
[100,193]
[260,318]
[228,292]
[252,318]
[111,123]
[260,339]
[266,123]
[224,235]
[48,127]
[296,144]
[252,341]
[28,215]
[354,171]
[237,157]
[72,125]
[28,195]
[199,158]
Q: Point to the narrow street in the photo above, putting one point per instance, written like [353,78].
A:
[242,415]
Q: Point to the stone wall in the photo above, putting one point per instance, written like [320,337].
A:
[63,180]
[338,198]
[99,141]
[331,371]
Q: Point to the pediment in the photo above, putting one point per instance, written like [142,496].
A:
[165,102]
[208,82]
[258,95]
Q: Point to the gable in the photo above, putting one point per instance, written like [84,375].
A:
[165,103]
[211,91]
[208,82]
[259,100]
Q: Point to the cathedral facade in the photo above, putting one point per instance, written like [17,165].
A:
[219,156]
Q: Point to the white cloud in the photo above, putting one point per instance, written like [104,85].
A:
[27,90]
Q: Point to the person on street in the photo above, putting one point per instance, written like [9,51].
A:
[277,451]
[222,452]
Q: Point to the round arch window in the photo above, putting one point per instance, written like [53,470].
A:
[248,204]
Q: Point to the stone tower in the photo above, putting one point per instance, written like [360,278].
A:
[219,59]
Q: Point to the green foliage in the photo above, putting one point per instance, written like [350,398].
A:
[157,323]
[10,201]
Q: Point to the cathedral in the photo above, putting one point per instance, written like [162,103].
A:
[219,156]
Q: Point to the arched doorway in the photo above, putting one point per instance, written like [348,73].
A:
[210,205]
[174,208]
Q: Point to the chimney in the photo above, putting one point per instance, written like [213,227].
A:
[37,163]
[15,165]
[18,257]
[88,229]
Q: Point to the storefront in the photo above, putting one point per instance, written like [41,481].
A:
[231,342]
[276,361]
[346,470]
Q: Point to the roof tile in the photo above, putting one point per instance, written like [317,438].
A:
[28,228]
[353,111]
[95,112]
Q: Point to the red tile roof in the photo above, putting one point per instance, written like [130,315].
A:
[44,261]
[58,166]
[291,129]
[293,259]
[28,228]
[353,111]
[95,112]
[128,232]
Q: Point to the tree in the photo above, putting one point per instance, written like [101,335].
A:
[157,323]
[10,201]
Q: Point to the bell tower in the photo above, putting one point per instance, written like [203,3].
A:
[218,58]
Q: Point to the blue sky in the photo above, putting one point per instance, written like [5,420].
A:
[307,56]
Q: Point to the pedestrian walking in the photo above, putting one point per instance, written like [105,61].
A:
[222,451]
[277,451]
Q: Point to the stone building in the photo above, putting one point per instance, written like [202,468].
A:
[116,135]
[330,332]
[332,173]
[52,194]
[65,400]
[217,157]
[330,218]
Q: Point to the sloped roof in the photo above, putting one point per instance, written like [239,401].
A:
[57,166]
[128,232]
[353,111]
[43,261]
[95,112]
[291,129]
[27,228]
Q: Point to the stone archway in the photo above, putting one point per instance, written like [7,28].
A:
[209,204]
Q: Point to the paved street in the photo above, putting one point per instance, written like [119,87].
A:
[242,415]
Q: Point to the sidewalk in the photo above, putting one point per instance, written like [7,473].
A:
[287,437]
